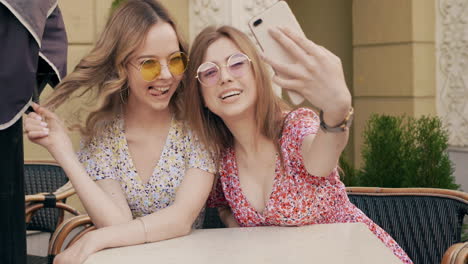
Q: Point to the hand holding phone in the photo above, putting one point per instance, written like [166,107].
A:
[300,64]
[277,15]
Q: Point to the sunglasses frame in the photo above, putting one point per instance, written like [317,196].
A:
[139,67]
[226,65]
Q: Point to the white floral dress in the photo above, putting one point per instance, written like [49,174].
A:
[107,157]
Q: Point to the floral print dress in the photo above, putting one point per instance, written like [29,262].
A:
[107,157]
[297,198]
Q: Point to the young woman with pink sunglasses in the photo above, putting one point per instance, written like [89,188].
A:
[276,166]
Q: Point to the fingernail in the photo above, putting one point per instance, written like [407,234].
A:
[44,124]
[45,129]
[38,118]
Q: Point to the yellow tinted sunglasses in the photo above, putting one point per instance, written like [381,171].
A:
[150,69]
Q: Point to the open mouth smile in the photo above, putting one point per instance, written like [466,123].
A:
[230,94]
[158,90]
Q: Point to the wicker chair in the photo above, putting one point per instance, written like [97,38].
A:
[46,191]
[212,219]
[425,222]
[68,232]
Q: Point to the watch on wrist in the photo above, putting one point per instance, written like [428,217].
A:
[341,127]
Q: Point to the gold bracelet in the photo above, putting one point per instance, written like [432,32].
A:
[144,229]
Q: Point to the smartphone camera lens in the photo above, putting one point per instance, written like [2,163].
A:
[257,22]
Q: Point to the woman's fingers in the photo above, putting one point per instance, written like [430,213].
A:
[283,68]
[307,45]
[43,111]
[37,134]
[34,116]
[35,127]
[289,84]
[289,45]
[35,122]
[50,117]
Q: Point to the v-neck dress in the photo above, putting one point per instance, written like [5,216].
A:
[297,197]
[107,157]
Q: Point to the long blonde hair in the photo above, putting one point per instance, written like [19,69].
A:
[209,127]
[102,73]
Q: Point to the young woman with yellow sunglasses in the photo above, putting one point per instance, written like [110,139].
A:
[140,173]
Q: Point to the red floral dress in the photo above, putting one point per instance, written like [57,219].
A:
[297,198]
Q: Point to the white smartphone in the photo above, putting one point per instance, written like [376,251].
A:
[278,14]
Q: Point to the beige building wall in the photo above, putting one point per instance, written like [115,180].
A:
[84,20]
[394,60]
[329,24]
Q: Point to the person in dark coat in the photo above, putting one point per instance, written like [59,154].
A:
[33,53]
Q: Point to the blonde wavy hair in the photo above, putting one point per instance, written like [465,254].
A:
[209,127]
[102,73]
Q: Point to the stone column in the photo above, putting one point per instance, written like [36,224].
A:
[452,80]
[394,60]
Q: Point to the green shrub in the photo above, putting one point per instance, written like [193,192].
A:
[349,175]
[406,152]
[115,4]
[432,165]
[383,152]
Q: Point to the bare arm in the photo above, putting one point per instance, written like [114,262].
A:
[104,202]
[227,217]
[318,76]
[321,151]
[173,221]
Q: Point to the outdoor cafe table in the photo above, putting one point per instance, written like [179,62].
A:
[330,243]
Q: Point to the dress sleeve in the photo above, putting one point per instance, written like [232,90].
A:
[197,154]
[96,157]
[217,198]
[299,124]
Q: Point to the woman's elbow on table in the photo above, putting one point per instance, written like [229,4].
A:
[182,227]
[183,220]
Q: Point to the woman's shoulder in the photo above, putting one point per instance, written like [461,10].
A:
[182,130]
[196,154]
[106,133]
[227,162]
[184,134]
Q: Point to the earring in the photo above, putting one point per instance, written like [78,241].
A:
[124,93]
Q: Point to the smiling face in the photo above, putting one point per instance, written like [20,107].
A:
[161,42]
[235,93]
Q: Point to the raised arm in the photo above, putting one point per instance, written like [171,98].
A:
[318,76]
[173,221]
[104,202]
